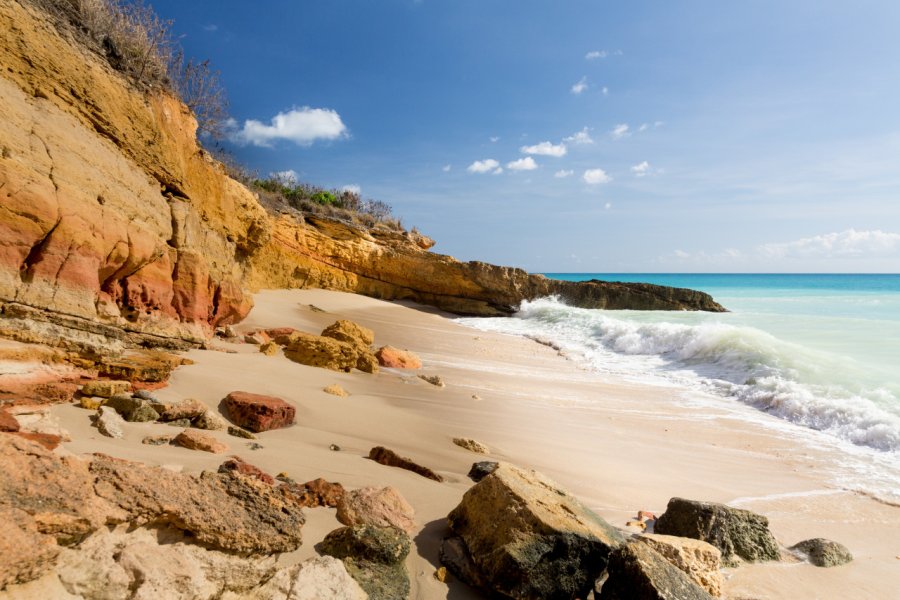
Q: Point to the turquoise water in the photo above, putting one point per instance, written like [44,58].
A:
[819,351]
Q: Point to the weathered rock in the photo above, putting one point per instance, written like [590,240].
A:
[395,358]
[527,538]
[110,423]
[637,572]
[38,420]
[238,465]
[257,337]
[145,395]
[105,388]
[336,390]
[180,423]
[374,558]
[317,492]
[350,332]
[382,507]
[8,423]
[173,410]
[197,440]
[482,469]
[49,441]
[257,412]
[157,440]
[435,380]
[241,433]
[471,445]
[281,335]
[132,409]
[324,352]
[736,532]
[441,574]
[699,560]
[367,363]
[334,447]
[388,457]
[823,553]
[320,578]
[210,420]
[91,402]
[152,366]
[269,348]
[143,413]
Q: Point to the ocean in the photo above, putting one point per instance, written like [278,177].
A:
[821,353]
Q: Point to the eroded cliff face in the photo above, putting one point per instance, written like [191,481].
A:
[117,229]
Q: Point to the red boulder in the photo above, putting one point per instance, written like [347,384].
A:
[257,413]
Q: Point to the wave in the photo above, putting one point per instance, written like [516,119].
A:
[807,387]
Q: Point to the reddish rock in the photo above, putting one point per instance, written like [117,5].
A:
[7,421]
[196,440]
[47,440]
[257,412]
[381,507]
[395,358]
[237,465]
[388,457]
[317,492]
[281,335]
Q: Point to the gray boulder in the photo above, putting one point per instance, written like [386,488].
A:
[638,572]
[482,469]
[374,558]
[734,531]
[823,553]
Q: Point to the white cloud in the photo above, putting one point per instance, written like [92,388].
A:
[545,149]
[497,171]
[581,137]
[303,126]
[523,164]
[842,244]
[620,131]
[580,86]
[494,139]
[446,168]
[483,166]
[352,188]
[641,169]
[595,54]
[595,176]
[563,173]
[605,91]
[608,205]
[288,177]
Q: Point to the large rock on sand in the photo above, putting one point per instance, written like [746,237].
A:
[700,561]
[374,558]
[350,332]
[319,351]
[637,572]
[256,412]
[384,507]
[736,532]
[823,553]
[518,534]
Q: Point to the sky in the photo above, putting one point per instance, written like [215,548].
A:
[581,136]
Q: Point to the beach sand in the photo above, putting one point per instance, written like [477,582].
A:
[619,445]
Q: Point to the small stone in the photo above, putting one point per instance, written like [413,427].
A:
[335,390]
[395,358]
[824,553]
[196,440]
[388,457]
[269,348]
[283,475]
[639,524]
[441,574]
[471,445]
[143,414]
[110,423]
[182,423]
[237,465]
[434,380]
[476,397]
[482,469]
[241,433]
[105,388]
[254,446]
[91,402]
[210,421]
[334,448]
[257,337]
[157,440]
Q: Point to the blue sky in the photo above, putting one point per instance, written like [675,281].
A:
[582,136]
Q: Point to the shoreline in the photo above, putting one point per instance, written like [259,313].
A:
[620,446]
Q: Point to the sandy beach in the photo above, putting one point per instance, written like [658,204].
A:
[620,446]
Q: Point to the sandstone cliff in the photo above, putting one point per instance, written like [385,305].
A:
[117,229]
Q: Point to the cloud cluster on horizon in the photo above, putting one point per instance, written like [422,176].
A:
[302,126]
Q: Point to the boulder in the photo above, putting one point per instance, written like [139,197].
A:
[823,553]
[153,366]
[197,440]
[132,409]
[637,572]
[374,558]
[269,348]
[482,469]
[210,420]
[257,413]
[383,507]
[317,492]
[8,423]
[521,535]
[367,363]
[173,410]
[699,560]
[106,388]
[324,352]
[736,532]
[388,457]
[350,332]
[319,578]
[110,423]
[335,390]
[471,445]
[395,358]
[237,465]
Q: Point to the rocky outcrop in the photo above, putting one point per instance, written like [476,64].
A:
[317,492]
[518,534]
[823,553]
[374,558]
[388,457]
[637,572]
[256,412]
[383,507]
[736,532]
